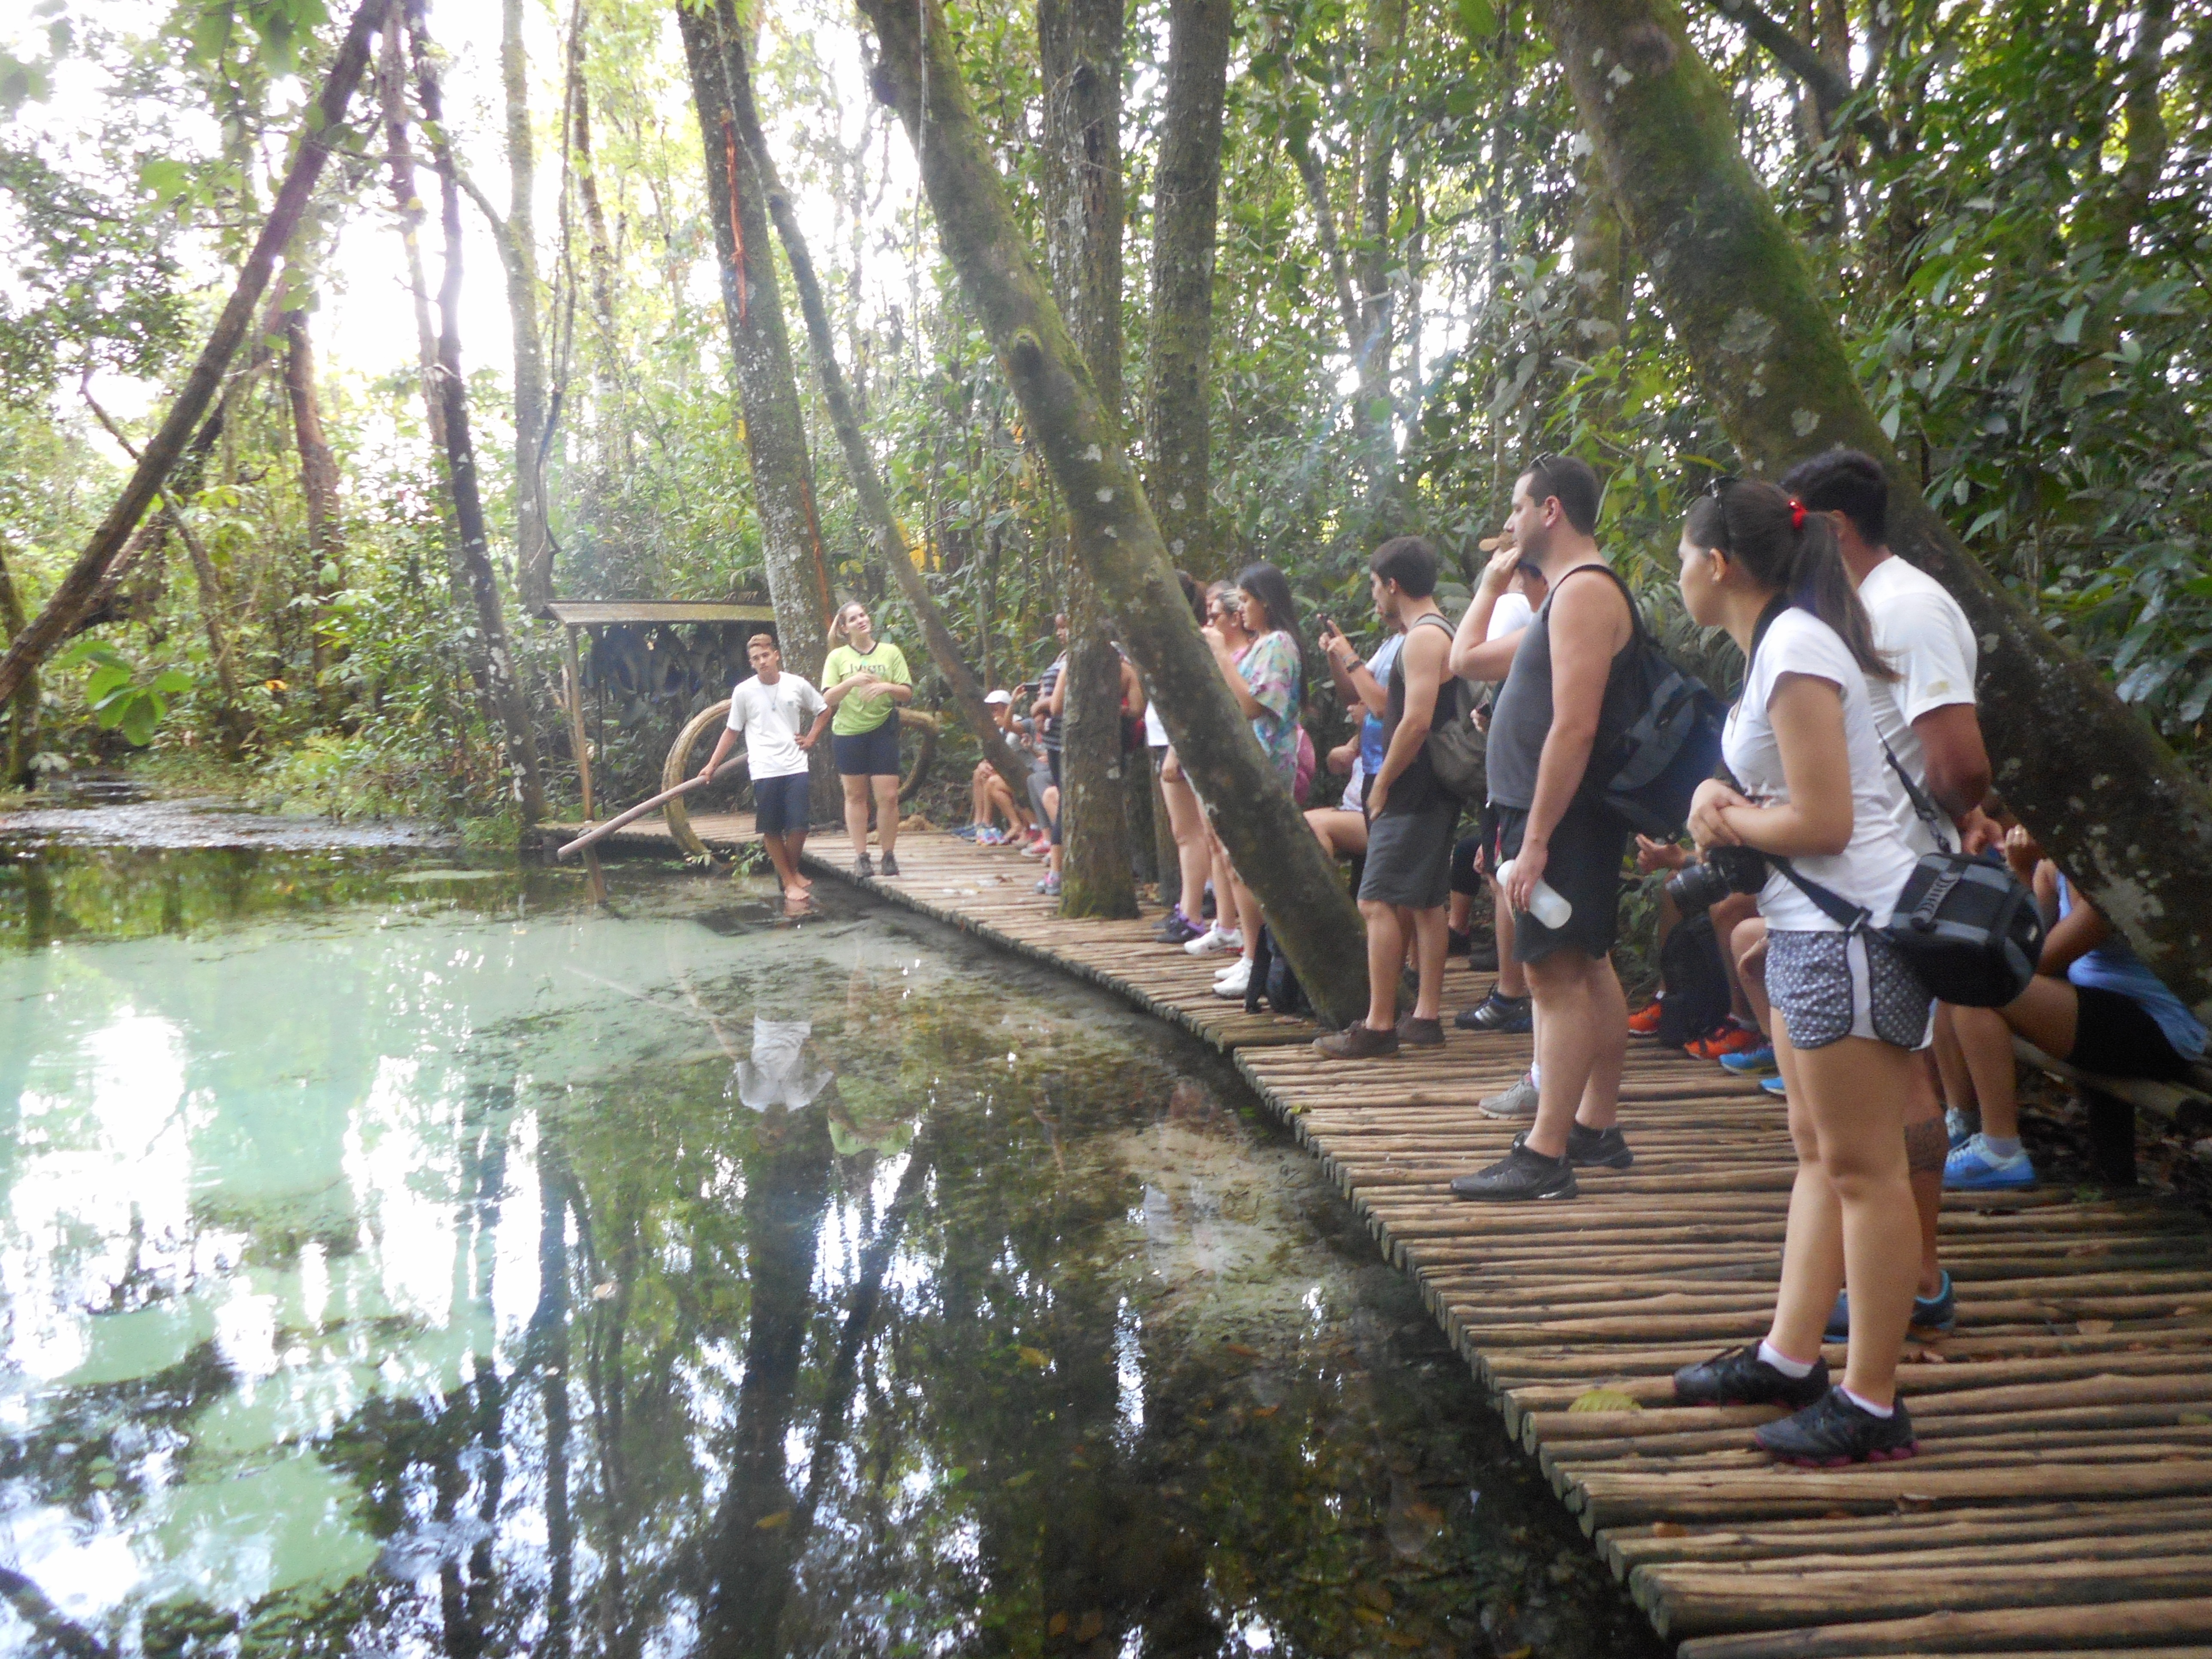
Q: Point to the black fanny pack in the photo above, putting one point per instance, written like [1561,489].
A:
[1971,930]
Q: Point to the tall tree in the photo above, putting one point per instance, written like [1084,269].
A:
[22,711]
[2094,781]
[80,588]
[534,547]
[1115,535]
[875,506]
[504,688]
[1079,50]
[319,472]
[760,349]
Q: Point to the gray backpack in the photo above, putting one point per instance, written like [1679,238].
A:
[1457,748]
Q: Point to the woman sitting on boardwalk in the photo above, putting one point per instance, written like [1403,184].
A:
[1850,1010]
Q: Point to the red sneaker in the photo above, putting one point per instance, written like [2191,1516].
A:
[1731,1039]
[1644,1021]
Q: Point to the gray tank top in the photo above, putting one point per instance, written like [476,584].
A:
[1521,719]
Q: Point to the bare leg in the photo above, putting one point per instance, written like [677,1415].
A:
[1926,1144]
[1582,1037]
[1985,1043]
[787,867]
[1386,948]
[856,812]
[1512,977]
[1745,954]
[1224,886]
[1432,946]
[1248,918]
[1601,1102]
[1193,845]
[794,843]
[1854,1092]
[1728,915]
[979,795]
[886,793]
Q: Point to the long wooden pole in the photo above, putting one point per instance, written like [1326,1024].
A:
[600,832]
[323,124]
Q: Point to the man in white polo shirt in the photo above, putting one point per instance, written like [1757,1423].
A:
[770,711]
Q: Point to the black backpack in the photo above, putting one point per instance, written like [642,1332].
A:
[1671,746]
[1697,998]
[1274,979]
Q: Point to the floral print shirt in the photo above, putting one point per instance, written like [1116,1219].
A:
[1272,669]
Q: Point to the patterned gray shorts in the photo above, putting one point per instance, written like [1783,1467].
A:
[1829,986]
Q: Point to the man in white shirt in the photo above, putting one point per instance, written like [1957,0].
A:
[770,711]
[1926,716]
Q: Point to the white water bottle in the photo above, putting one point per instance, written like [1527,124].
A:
[1546,903]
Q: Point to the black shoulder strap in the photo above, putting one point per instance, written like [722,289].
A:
[1627,594]
[1923,808]
[1846,915]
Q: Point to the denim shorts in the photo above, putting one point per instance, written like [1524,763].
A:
[868,754]
[1827,986]
[780,804]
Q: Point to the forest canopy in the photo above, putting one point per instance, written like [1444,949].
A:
[1420,277]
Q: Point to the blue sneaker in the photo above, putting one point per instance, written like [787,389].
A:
[1975,1168]
[1751,1062]
[1774,1086]
[1931,1315]
[1958,1126]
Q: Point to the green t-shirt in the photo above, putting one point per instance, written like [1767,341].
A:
[864,711]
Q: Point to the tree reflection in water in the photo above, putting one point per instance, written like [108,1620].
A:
[677,1281]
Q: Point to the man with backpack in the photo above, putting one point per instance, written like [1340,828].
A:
[1577,686]
[1411,814]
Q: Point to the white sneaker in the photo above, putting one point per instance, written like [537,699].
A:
[1234,984]
[1235,965]
[1214,940]
[1519,1101]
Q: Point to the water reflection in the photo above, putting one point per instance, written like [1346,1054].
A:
[505,1273]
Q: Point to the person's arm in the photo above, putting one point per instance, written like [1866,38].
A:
[898,685]
[2075,934]
[833,695]
[1355,681]
[1132,690]
[1807,713]
[1056,703]
[723,744]
[1589,624]
[1475,655]
[1421,659]
[1247,704]
[1339,758]
[814,732]
[1957,762]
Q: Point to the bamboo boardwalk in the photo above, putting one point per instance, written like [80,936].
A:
[2062,1498]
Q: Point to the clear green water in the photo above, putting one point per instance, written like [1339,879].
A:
[398,1258]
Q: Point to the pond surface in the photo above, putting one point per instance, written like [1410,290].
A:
[403,1257]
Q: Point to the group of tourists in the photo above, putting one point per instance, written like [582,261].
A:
[1852,750]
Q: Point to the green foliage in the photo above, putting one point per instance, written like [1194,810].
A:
[279,29]
[121,701]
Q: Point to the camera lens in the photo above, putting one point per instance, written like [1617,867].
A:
[1696,888]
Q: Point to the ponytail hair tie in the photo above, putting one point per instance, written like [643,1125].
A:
[1796,514]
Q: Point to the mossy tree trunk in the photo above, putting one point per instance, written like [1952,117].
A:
[875,506]
[2098,788]
[533,546]
[760,350]
[1079,51]
[1115,536]
[80,588]
[318,481]
[23,710]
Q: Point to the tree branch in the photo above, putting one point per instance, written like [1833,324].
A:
[1829,89]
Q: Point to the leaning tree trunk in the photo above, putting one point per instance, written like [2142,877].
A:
[1117,538]
[23,710]
[875,507]
[504,689]
[1079,50]
[760,351]
[533,546]
[2099,789]
[319,478]
[324,121]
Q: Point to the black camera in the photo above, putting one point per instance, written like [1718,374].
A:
[1696,888]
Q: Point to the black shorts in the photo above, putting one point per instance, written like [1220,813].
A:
[1583,867]
[868,754]
[779,805]
[1467,863]
[1052,763]
[2115,1035]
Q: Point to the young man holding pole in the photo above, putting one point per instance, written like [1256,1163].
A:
[771,710]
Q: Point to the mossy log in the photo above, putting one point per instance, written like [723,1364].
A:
[2098,786]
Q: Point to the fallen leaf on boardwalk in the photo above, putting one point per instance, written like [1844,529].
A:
[770,1522]
[1912,1502]
[1669,1529]
[1932,1356]
[1606,1400]
[2092,1327]
[1242,1350]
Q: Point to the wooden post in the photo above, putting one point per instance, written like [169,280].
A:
[573,675]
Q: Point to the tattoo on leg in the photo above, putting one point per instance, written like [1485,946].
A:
[1927,1145]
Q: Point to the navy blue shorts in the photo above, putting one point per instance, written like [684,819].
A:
[868,754]
[779,805]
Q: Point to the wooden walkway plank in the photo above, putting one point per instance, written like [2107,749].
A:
[2063,1500]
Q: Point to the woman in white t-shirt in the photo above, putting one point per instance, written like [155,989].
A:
[1814,790]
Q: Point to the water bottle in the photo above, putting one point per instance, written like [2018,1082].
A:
[1546,903]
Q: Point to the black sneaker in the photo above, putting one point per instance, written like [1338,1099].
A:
[1483,958]
[1740,1377]
[864,867]
[1598,1148]
[891,864]
[1456,943]
[1520,1176]
[1500,1015]
[1834,1431]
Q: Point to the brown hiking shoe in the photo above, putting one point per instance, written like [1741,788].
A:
[1416,1033]
[1358,1042]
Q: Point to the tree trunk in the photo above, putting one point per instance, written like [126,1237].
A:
[1116,538]
[613,424]
[391,90]
[875,507]
[503,688]
[1079,51]
[23,710]
[319,478]
[533,548]
[1186,206]
[2096,785]
[325,119]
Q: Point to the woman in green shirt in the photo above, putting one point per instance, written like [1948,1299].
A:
[864,681]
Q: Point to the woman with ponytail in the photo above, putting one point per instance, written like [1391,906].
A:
[1816,799]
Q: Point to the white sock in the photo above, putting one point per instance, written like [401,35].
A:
[1999,1146]
[1782,1363]
[1536,1075]
[1868,1407]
